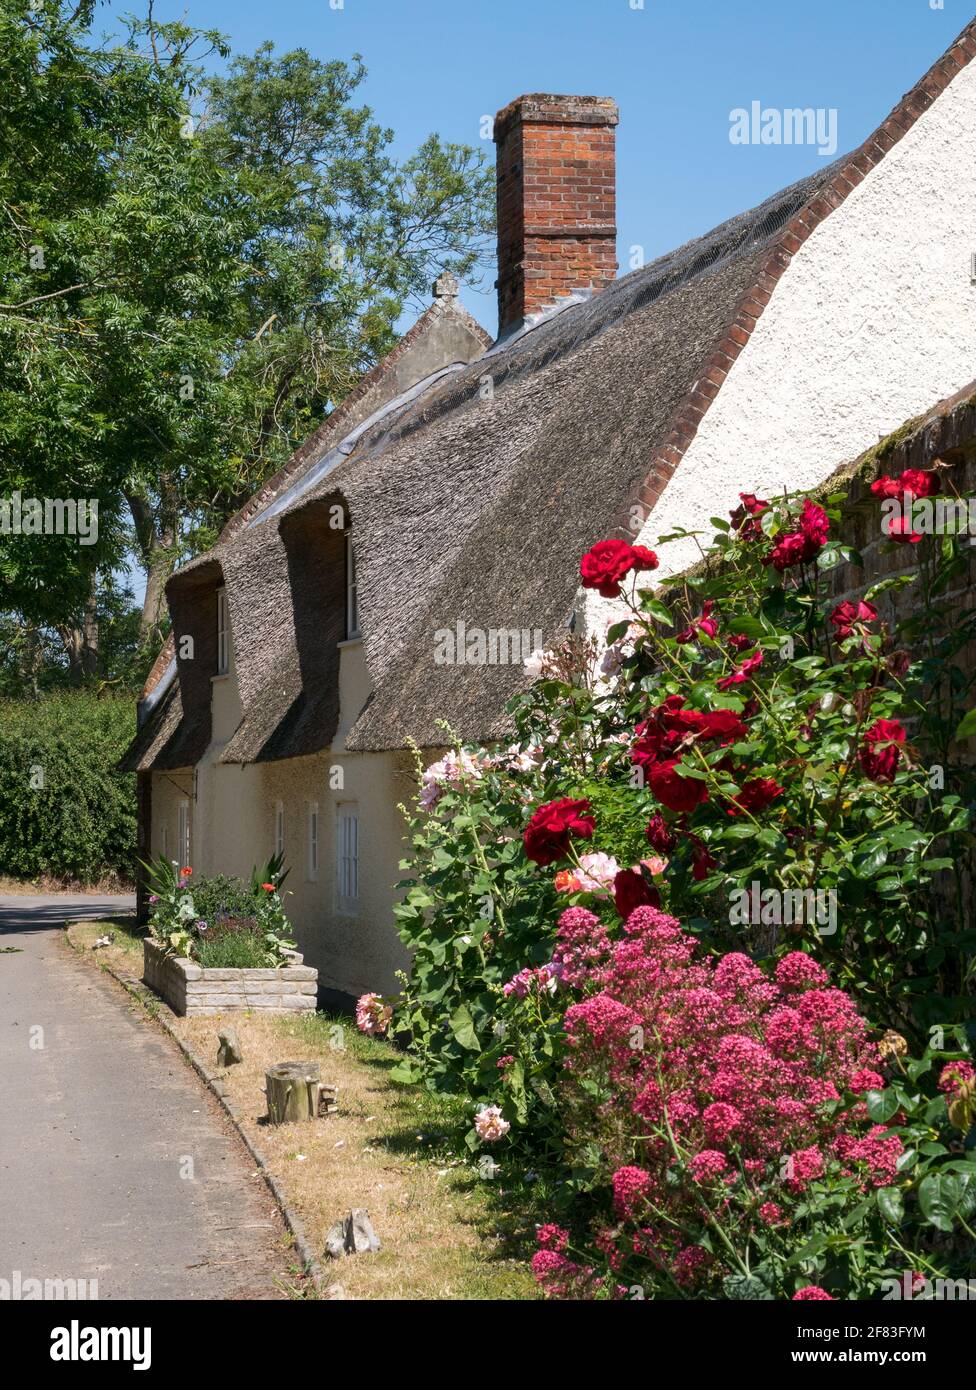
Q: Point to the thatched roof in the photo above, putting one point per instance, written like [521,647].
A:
[472,498]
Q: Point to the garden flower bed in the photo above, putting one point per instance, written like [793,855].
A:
[193,990]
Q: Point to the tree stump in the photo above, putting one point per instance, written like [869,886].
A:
[229,1049]
[292,1089]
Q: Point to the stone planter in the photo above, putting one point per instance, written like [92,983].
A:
[190,990]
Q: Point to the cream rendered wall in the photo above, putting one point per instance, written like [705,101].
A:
[233,828]
[872,323]
[168,789]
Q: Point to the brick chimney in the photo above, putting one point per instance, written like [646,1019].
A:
[557,197]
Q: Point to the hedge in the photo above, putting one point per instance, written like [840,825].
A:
[65,812]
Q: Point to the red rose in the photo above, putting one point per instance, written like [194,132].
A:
[913,480]
[702,862]
[756,795]
[670,726]
[675,792]
[814,523]
[741,673]
[706,623]
[743,518]
[631,890]
[845,615]
[900,530]
[886,487]
[793,548]
[604,566]
[547,835]
[881,750]
[739,641]
[659,837]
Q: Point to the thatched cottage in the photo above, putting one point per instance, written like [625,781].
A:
[449,498]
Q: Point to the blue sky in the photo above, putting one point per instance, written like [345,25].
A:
[676,68]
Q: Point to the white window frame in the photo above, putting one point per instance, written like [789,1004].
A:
[185,834]
[223,632]
[312,845]
[347,858]
[279,828]
[352,592]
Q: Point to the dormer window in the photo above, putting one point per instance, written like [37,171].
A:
[223,633]
[352,599]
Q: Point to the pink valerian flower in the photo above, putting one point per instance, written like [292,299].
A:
[631,1188]
[813,1294]
[770,1214]
[505,1061]
[582,946]
[707,1166]
[879,1150]
[490,1125]
[740,1073]
[372,1014]
[552,1237]
[864,1079]
[955,1077]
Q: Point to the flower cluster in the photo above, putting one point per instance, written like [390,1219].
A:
[373,1014]
[729,1076]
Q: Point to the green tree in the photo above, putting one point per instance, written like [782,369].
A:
[196,270]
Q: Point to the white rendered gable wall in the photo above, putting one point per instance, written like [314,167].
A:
[874,321]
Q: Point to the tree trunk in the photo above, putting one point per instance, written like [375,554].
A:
[292,1089]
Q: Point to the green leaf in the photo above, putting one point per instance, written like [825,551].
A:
[462,1026]
[746,1287]
[891,1205]
[968,726]
[944,1197]
[881,1105]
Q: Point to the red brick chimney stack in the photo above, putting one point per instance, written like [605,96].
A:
[557,201]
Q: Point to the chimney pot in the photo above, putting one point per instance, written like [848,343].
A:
[556,175]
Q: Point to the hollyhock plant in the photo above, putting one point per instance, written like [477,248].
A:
[373,1014]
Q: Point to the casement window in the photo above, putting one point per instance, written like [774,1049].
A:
[223,633]
[347,857]
[352,597]
[184,835]
[279,832]
[313,841]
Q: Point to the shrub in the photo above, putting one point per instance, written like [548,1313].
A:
[233,943]
[746,748]
[65,810]
[734,1129]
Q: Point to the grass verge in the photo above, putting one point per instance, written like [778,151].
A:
[390,1148]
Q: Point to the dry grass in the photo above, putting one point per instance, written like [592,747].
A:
[389,1148]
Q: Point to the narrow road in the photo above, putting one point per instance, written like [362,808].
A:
[116,1164]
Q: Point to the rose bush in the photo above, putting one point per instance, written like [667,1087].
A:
[742,749]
